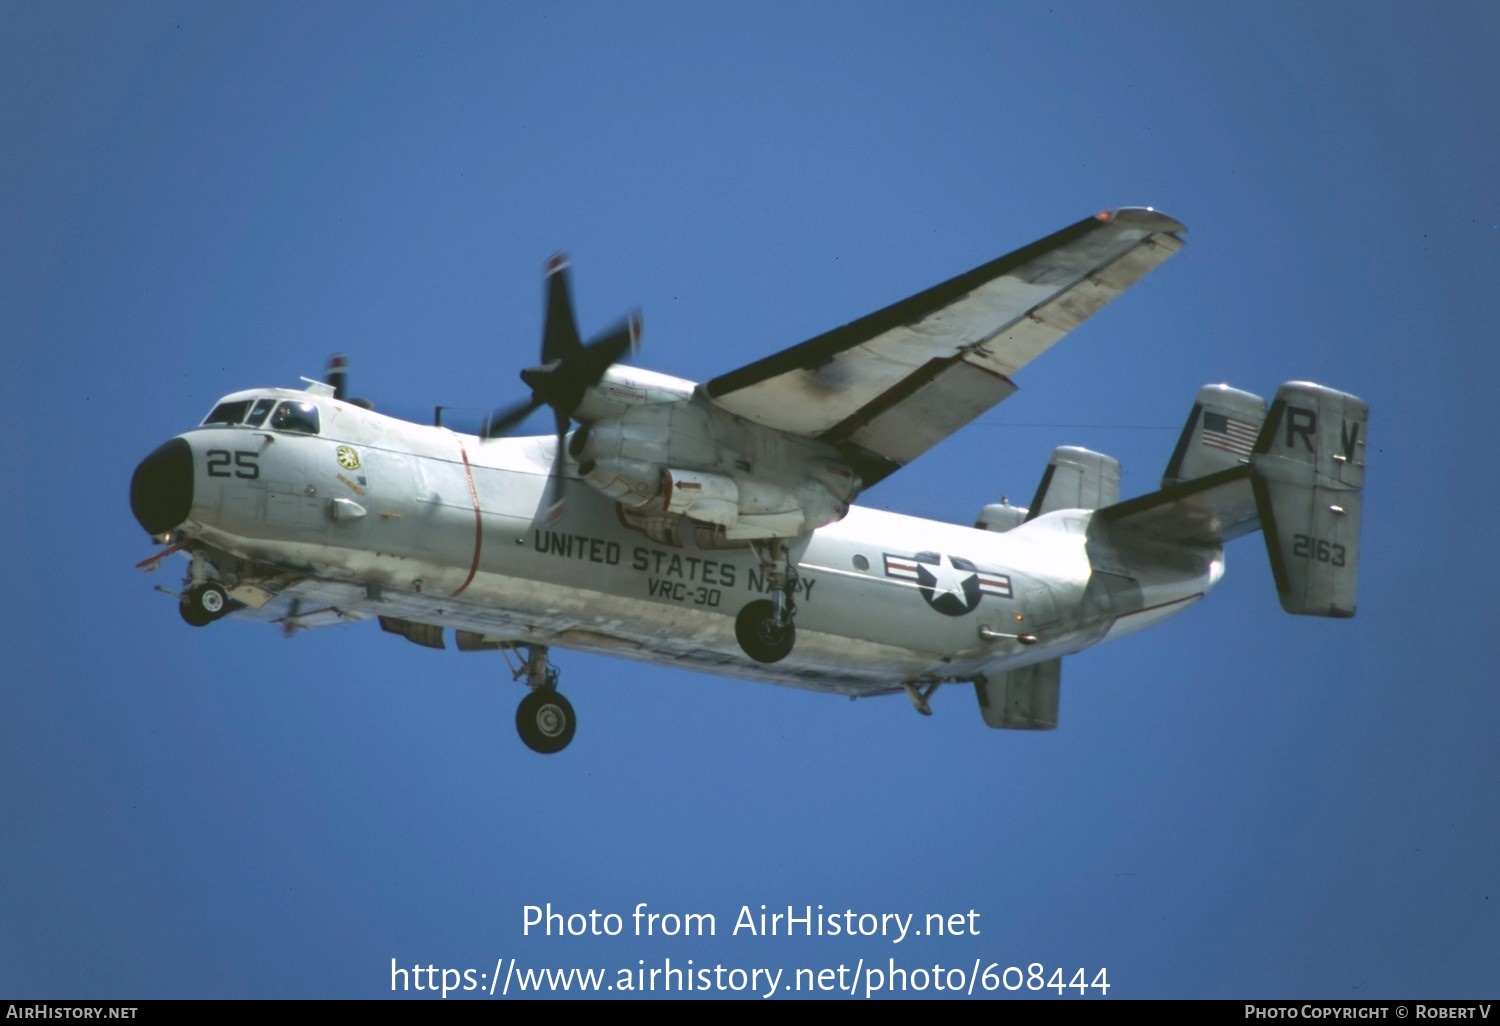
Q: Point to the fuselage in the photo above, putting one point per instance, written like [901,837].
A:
[347,514]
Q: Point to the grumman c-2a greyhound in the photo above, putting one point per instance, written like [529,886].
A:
[715,528]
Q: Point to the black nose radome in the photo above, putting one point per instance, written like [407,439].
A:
[161,492]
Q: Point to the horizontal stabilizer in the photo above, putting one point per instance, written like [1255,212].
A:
[1076,479]
[1207,511]
[1298,480]
[1309,469]
[1206,498]
[1022,699]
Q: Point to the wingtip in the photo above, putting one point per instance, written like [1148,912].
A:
[557,262]
[1142,217]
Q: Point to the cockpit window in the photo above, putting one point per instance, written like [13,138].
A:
[301,417]
[258,414]
[228,413]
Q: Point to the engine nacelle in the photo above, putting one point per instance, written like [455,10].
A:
[684,459]
[744,507]
[624,388]
[711,498]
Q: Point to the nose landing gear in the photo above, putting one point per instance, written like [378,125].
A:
[202,604]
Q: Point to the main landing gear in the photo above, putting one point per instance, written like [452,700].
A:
[764,627]
[544,719]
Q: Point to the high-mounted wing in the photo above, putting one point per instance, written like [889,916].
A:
[886,388]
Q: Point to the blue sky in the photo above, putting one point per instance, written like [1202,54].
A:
[1238,803]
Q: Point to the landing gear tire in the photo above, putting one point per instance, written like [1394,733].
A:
[758,633]
[191,614]
[203,604]
[545,721]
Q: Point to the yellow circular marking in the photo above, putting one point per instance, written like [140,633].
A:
[348,458]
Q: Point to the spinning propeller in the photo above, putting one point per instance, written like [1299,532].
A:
[337,379]
[338,374]
[568,370]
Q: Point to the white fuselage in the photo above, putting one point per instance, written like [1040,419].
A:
[378,516]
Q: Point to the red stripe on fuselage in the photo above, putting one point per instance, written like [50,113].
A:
[478,521]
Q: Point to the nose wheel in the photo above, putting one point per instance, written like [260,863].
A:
[202,604]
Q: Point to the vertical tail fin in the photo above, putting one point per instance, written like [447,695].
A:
[1309,464]
[1025,698]
[1076,479]
[1219,434]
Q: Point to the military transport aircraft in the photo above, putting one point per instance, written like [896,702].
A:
[713,525]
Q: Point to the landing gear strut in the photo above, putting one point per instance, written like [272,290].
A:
[764,627]
[545,719]
[920,695]
[203,599]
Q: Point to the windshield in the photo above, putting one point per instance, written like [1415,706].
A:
[228,413]
[291,416]
[258,414]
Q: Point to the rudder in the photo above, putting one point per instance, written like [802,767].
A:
[1309,469]
[1025,698]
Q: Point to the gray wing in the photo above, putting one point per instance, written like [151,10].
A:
[886,388]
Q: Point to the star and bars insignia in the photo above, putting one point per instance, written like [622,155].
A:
[952,585]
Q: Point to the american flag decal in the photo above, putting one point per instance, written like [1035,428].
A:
[1227,433]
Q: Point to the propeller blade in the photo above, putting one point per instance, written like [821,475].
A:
[567,371]
[556,479]
[560,335]
[502,421]
[609,347]
[337,374]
